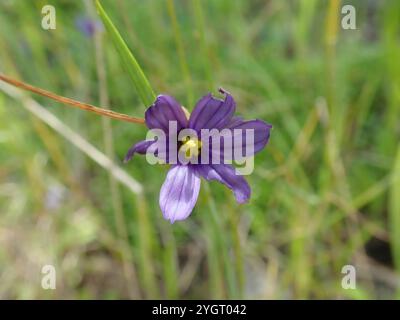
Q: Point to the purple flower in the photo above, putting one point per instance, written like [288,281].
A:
[182,185]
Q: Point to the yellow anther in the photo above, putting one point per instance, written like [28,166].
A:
[191,147]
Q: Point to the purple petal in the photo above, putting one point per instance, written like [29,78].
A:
[164,110]
[261,131]
[212,113]
[234,121]
[140,147]
[226,175]
[179,192]
[239,149]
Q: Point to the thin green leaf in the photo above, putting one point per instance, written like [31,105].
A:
[138,77]
[394,211]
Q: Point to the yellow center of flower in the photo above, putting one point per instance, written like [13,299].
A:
[191,147]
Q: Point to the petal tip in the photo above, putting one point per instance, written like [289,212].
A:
[128,157]
[243,197]
[171,221]
[223,91]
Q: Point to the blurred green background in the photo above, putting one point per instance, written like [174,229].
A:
[325,192]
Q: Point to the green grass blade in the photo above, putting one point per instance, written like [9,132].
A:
[394,213]
[181,51]
[138,77]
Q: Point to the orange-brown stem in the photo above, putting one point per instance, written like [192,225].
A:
[71,102]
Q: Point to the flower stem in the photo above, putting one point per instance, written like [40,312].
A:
[71,102]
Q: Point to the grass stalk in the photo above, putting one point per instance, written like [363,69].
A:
[71,102]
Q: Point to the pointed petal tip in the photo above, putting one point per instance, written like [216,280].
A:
[160,97]
[226,175]
[164,110]
[128,157]
[268,125]
[211,112]
[242,198]
[223,91]
[242,195]
[139,147]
